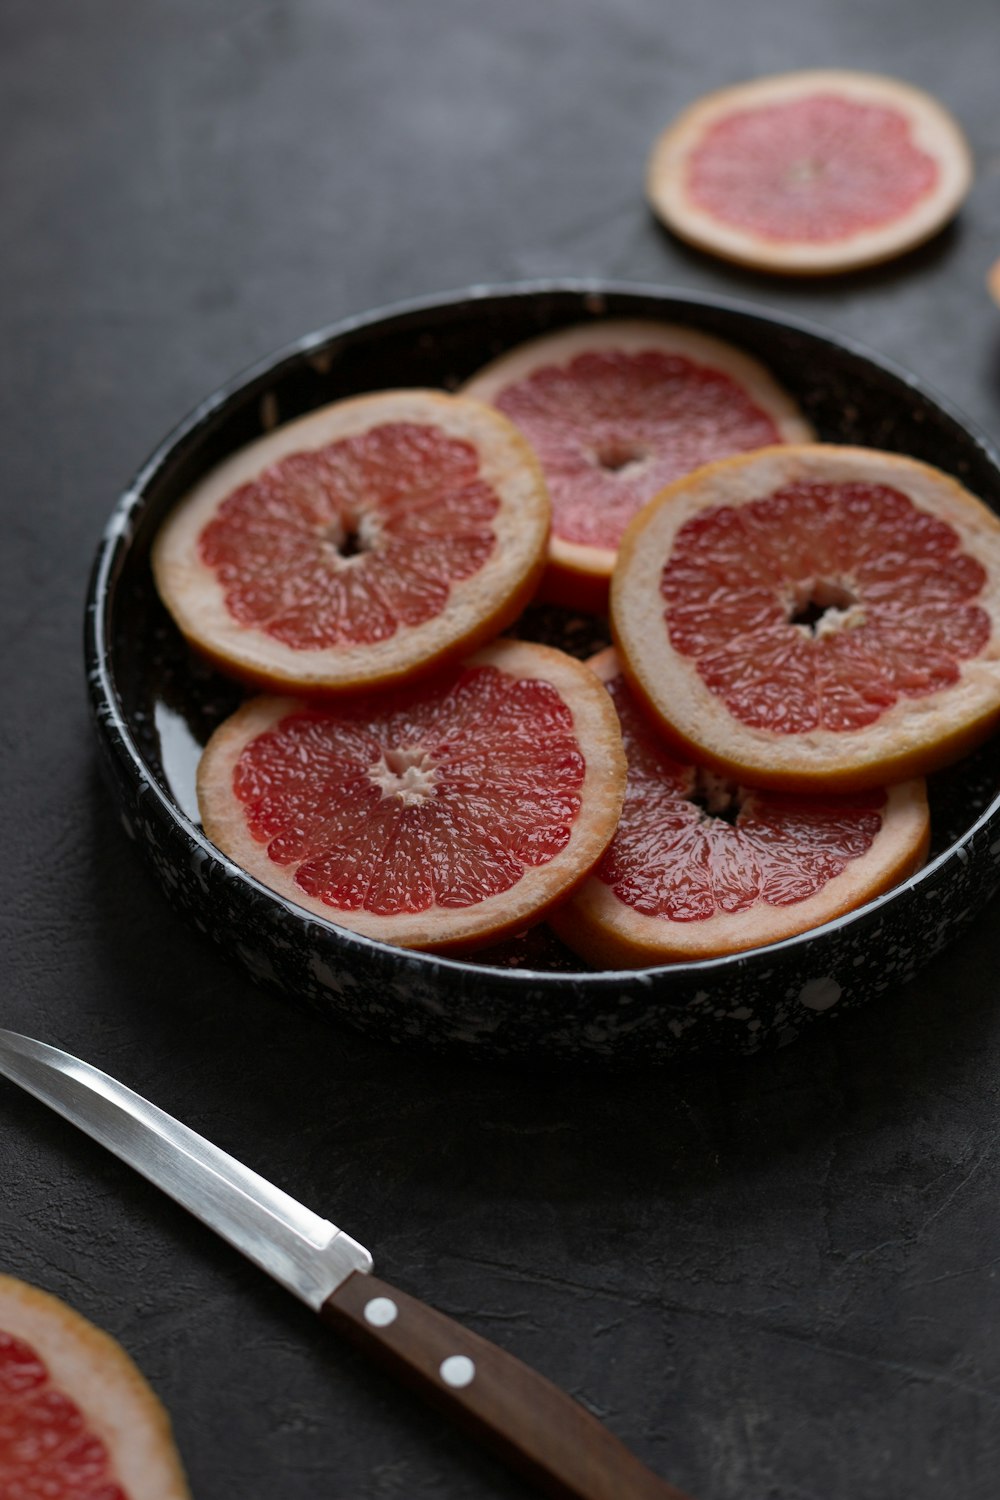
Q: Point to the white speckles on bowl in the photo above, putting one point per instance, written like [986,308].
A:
[531,1000]
[820,994]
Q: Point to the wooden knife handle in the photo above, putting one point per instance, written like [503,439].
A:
[531,1424]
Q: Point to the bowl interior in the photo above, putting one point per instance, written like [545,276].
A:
[170,701]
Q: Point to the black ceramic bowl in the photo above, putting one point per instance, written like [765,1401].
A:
[154,705]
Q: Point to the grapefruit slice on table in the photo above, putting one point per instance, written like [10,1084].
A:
[814,615]
[615,410]
[699,867]
[77,1419]
[370,540]
[993,280]
[810,172]
[440,816]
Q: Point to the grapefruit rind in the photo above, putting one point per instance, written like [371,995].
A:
[439,929]
[89,1367]
[932,129]
[607,932]
[911,738]
[577,575]
[478,608]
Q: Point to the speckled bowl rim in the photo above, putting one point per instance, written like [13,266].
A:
[121,527]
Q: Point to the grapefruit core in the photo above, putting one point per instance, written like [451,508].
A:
[814,616]
[77,1419]
[615,410]
[443,816]
[810,172]
[699,867]
[368,541]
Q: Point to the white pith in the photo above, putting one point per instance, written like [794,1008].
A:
[408,775]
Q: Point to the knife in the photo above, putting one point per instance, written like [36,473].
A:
[539,1430]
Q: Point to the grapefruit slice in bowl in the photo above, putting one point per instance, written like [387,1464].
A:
[436,817]
[699,867]
[814,616]
[367,541]
[811,172]
[77,1419]
[617,409]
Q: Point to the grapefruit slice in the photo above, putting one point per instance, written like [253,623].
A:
[615,410]
[700,867]
[77,1419]
[993,280]
[810,172]
[442,816]
[814,615]
[370,540]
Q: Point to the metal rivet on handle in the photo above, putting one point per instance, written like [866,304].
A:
[458,1370]
[381,1311]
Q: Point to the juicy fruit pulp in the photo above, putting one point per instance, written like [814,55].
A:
[688,846]
[817,168]
[439,799]
[893,601]
[346,543]
[46,1445]
[611,427]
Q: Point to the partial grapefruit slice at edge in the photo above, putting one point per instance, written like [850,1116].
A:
[431,793]
[993,281]
[746,607]
[624,916]
[932,130]
[87,1367]
[578,573]
[478,602]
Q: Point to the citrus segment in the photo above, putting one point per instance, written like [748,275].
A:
[810,172]
[441,817]
[814,614]
[372,539]
[700,867]
[617,409]
[77,1419]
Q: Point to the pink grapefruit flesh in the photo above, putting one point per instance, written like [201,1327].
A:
[615,410]
[700,867]
[369,541]
[814,615]
[440,816]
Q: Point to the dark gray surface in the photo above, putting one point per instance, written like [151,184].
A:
[774,1277]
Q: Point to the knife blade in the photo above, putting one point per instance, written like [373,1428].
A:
[539,1430]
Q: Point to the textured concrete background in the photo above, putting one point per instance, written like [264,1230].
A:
[772,1278]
